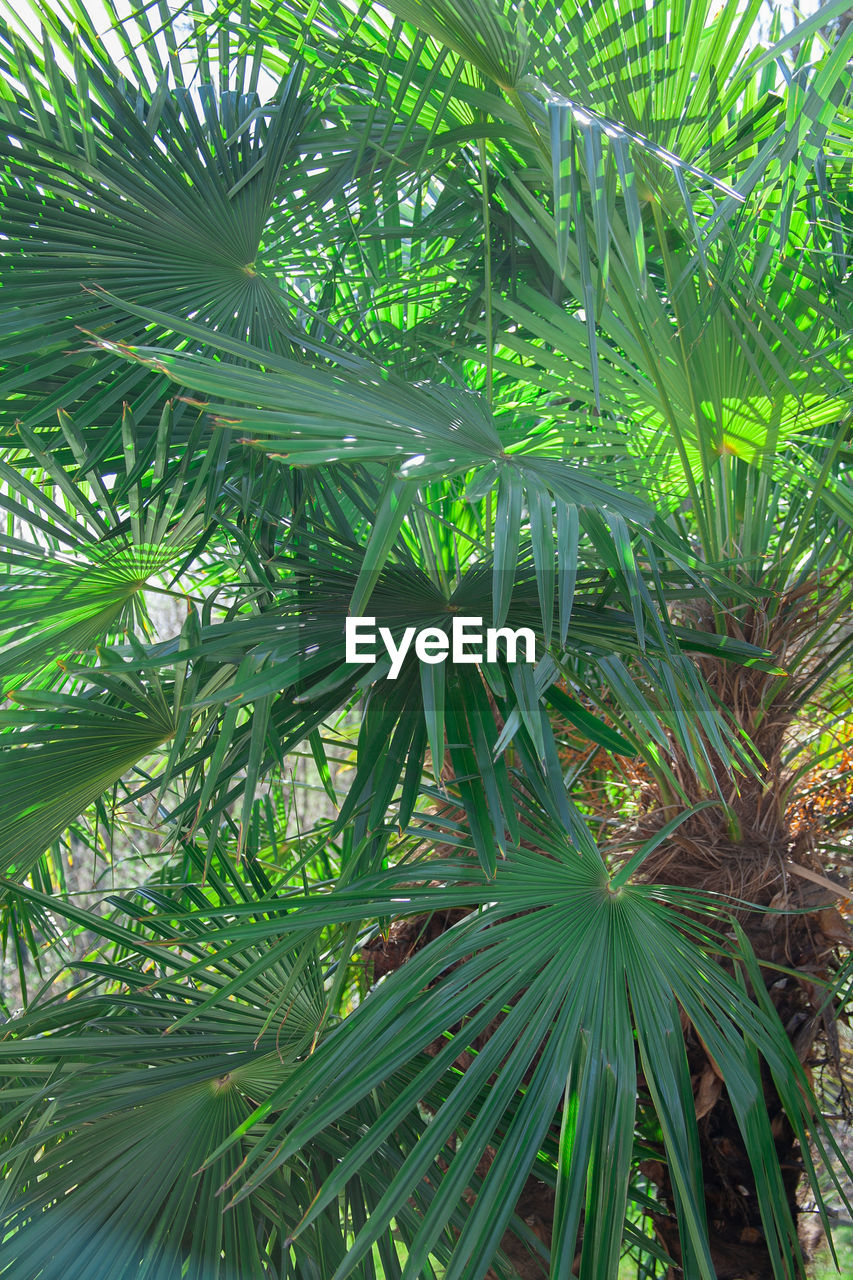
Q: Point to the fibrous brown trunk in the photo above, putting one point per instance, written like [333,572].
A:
[803,943]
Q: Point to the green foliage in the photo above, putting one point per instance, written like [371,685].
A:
[538,314]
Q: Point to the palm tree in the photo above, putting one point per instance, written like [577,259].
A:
[538,318]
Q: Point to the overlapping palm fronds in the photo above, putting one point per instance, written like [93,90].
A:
[538,314]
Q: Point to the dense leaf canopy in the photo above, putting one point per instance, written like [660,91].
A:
[317,311]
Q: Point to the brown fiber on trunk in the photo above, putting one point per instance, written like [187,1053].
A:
[781,873]
[761,851]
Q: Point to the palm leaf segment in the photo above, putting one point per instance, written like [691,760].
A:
[298,644]
[63,751]
[84,551]
[131,1082]
[180,226]
[558,983]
